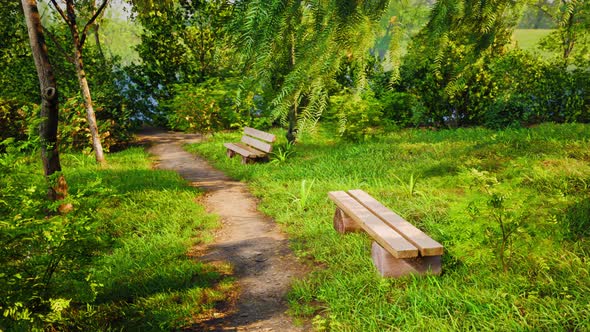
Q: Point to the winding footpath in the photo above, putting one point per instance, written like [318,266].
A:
[258,251]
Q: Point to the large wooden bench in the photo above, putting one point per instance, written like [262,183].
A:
[398,248]
[255,145]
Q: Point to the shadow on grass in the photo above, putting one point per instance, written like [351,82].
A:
[125,181]
[149,281]
[577,219]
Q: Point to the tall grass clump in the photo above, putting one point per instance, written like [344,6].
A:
[120,260]
[511,208]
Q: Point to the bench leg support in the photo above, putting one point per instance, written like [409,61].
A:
[344,224]
[230,153]
[389,266]
[246,160]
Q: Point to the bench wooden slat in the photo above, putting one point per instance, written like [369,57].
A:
[244,150]
[260,145]
[259,134]
[382,233]
[426,245]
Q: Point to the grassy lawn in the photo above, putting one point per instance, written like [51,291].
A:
[457,186]
[129,265]
[528,39]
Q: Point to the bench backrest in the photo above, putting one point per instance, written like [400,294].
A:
[258,139]
[391,231]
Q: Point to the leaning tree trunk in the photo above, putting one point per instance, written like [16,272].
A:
[96,144]
[58,187]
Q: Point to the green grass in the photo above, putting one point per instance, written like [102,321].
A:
[444,182]
[528,39]
[134,269]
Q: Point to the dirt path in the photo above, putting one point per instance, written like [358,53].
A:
[258,251]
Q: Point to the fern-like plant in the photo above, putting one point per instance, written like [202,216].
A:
[295,48]
[282,153]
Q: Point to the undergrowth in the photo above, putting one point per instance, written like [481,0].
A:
[510,207]
[120,261]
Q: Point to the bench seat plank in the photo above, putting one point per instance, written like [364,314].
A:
[244,150]
[377,228]
[426,245]
[259,134]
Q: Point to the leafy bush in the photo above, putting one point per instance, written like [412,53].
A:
[43,255]
[514,89]
[529,90]
[402,108]
[196,108]
[213,105]
[14,120]
[360,115]
[73,131]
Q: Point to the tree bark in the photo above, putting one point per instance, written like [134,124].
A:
[58,187]
[292,115]
[78,44]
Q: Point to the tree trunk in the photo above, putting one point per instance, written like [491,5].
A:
[58,187]
[292,115]
[292,118]
[96,144]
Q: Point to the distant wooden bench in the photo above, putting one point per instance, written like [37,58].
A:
[255,144]
[398,248]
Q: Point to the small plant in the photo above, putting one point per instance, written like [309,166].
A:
[282,153]
[410,185]
[509,223]
[304,193]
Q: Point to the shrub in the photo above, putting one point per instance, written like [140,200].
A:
[196,108]
[213,105]
[513,89]
[14,120]
[114,125]
[360,115]
[401,108]
[43,255]
[531,90]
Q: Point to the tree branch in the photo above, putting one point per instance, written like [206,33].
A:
[61,12]
[546,12]
[89,24]
[56,42]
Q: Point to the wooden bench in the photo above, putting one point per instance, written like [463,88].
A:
[398,248]
[255,145]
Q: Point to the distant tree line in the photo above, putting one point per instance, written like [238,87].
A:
[369,65]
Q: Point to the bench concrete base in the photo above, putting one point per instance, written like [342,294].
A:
[344,224]
[389,266]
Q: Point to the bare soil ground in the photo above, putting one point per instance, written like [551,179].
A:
[251,242]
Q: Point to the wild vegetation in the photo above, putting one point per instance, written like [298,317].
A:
[118,260]
[449,111]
